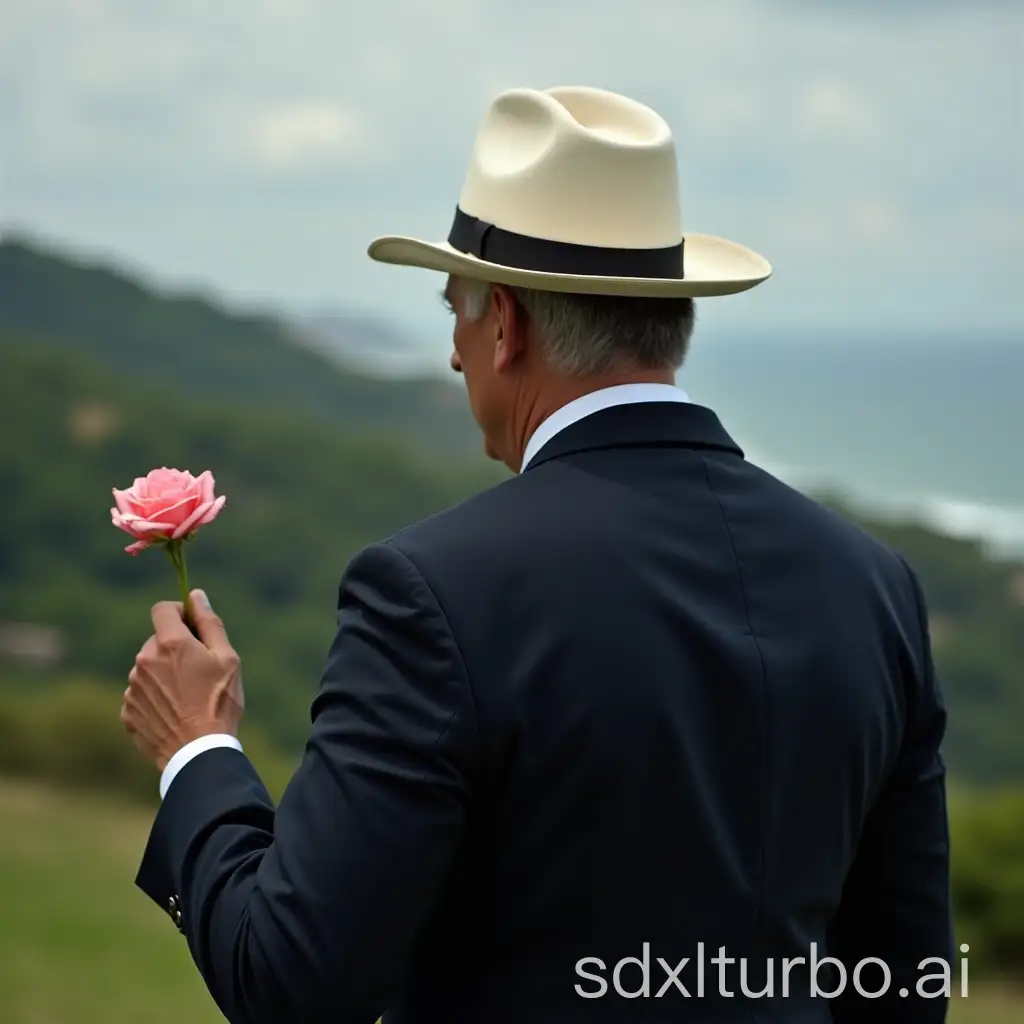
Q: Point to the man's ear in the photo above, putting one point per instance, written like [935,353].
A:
[510,327]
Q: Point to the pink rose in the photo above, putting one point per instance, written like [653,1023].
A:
[165,505]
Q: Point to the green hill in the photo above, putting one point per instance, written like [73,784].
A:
[78,942]
[193,343]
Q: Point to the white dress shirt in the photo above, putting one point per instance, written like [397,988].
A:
[191,750]
[595,401]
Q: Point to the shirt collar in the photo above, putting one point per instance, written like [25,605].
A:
[595,401]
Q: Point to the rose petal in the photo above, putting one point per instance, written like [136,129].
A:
[193,520]
[134,549]
[168,510]
[138,527]
[148,527]
[129,499]
[122,499]
[208,517]
[121,518]
[123,521]
[168,483]
[202,515]
[206,486]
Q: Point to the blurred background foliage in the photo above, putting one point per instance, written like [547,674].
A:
[102,378]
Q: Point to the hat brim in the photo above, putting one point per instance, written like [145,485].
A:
[713,266]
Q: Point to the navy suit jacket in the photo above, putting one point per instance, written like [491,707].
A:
[642,701]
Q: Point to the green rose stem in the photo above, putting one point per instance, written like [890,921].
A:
[176,553]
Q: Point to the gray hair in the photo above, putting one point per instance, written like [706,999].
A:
[587,335]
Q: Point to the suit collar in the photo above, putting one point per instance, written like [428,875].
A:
[595,401]
[640,425]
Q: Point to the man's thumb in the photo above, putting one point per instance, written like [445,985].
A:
[208,624]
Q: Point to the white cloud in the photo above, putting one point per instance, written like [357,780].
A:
[875,221]
[299,134]
[837,110]
[89,8]
[384,64]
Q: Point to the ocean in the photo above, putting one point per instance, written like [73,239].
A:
[898,426]
[932,428]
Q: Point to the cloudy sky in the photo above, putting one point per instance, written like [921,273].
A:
[871,149]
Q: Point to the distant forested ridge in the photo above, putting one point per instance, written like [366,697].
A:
[193,343]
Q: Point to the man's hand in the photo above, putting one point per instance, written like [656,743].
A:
[182,688]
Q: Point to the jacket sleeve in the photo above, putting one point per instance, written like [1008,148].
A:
[311,912]
[896,902]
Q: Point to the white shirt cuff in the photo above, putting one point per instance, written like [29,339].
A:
[191,750]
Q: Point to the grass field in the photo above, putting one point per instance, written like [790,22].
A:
[80,944]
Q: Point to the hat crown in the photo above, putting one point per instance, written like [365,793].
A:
[576,190]
[578,165]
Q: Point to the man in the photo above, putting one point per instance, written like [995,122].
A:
[611,741]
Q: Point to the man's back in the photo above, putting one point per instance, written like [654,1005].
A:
[705,705]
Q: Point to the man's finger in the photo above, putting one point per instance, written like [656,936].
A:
[209,625]
[148,653]
[169,622]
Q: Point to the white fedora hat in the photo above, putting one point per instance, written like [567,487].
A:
[575,189]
